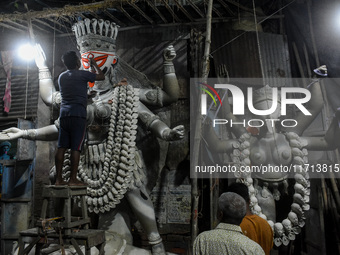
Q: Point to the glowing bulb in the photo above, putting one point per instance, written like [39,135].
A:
[26,52]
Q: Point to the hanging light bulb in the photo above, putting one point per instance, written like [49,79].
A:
[26,52]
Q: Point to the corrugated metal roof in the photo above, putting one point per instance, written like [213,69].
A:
[25,92]
[239,51]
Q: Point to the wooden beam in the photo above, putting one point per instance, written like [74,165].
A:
[240,6]
[94,14]
[157,11]
[141,12]
[171,11]
[65,19]
[17,24]
[193,5]
[184,10]
[68,10]
[214,9]
[120,23]
[226,7]
[10,27]
[128,15]
[47,25]
[60,24]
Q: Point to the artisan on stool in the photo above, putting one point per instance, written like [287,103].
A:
[64,229]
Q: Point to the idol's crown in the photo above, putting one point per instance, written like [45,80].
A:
[95,35]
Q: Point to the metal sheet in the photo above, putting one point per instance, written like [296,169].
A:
[25,148]
[17,182]
[24,99]
[240,52]
[15,218]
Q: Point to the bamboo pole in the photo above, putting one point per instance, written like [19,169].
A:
[307,61]
[298,60]
[321,219]
[198,129]
[205,68]
[311,30]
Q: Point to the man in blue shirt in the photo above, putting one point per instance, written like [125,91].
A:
[73,91]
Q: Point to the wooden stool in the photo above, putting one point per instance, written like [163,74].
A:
[63,229]
[65,193]
[87,237]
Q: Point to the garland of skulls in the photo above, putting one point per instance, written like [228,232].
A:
[112,167]
[287,229]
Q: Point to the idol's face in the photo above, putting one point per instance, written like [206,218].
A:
[106,61]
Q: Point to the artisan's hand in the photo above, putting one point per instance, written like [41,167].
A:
[169,53]
[100,75]
[174,134]
[93,62]
[11,134]
[40,58]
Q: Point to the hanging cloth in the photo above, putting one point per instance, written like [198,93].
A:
[7,62]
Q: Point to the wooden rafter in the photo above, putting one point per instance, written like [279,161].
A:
[193,5]
[128,15]
[59,24]
[141,12]
[65,20]
[157,11]
[17,24]
[11,27]
[47,25]
[68,10]
[94,14]
[214,9]
[120,23]
[184,10]
[226,7]
[241,6]
[171,11]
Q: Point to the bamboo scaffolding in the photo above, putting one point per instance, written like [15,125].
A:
[198,129]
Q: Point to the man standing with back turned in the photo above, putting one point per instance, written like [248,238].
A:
[252,225]
[227,238]
[72,118]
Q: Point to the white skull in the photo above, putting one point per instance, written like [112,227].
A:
[249,180]
[278,228]
[95,201]
[301,180]
[287,224]
[100,201]
[89,200]
[257,209]
[263,216]
[271,224]
[299,189]
[253,200]
[297,152]
[251,189]
[93,192]
[292,135]
[293,218]
[297,209]
[245,153]
[297,198]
